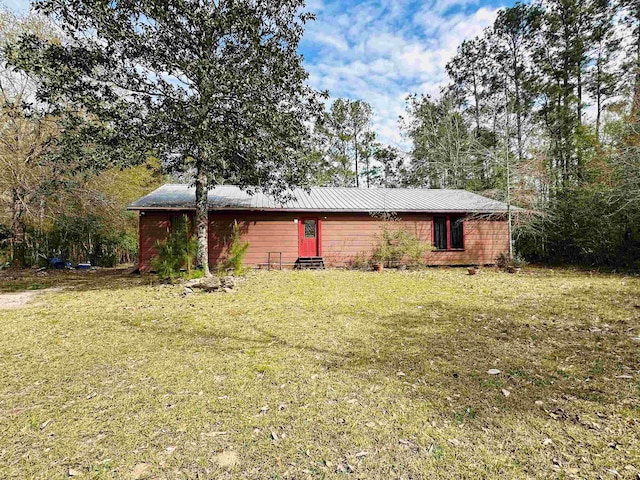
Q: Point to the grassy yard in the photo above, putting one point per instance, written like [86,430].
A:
[322,375]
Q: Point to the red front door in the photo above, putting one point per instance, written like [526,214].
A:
[308,235]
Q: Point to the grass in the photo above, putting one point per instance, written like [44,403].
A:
[333,374]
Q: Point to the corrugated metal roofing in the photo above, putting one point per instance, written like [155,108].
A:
[324,199]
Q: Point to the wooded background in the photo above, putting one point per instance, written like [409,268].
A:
[544,105]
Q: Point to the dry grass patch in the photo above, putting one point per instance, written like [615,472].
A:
[326,374]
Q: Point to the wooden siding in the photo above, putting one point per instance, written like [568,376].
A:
[344,236]
[265,232]
[484,240]
[153,226]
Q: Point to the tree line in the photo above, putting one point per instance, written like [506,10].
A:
[542,106]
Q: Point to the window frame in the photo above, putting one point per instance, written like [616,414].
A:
[449,217]
[315,227]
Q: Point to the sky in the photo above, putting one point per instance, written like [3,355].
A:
[380,51]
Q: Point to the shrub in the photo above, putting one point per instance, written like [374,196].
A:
[360,261]
[504,262]
[176,253]
[237,251]
[399,247]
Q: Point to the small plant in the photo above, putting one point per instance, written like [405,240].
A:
[505,262]
[399,247]
[176,253]
[237,251]
[360,261]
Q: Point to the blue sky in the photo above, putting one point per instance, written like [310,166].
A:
[382,50]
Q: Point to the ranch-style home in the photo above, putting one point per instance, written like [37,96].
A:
[331,226]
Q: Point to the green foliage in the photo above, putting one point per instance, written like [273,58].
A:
[217,88]
[342,145]
[505,262]
[399,247]
[445,153]
[177,252]
[361,261]
[237,251]
[587,225]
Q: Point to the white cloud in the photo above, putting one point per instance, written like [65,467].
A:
[385,51]
[380,50]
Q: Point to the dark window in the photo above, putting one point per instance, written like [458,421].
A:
[309,229]
[440,233]
[456,232]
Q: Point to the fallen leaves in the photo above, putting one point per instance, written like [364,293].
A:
[141,470]
[344,468]
[213,434]
[226,459]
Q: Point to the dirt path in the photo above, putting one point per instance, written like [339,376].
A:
[11,301]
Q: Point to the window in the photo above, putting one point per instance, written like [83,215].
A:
[440,233]
[456,232]
[448,232]
[309,229]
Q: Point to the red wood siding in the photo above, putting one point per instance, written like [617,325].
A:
[484,240]
[343,237]
[153,226]
[265,232]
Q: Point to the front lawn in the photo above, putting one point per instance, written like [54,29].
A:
[325,374]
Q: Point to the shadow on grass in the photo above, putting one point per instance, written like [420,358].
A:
[91,280]
[443,353]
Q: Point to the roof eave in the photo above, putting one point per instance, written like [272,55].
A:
[300,210]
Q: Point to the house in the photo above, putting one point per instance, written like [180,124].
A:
[332,225]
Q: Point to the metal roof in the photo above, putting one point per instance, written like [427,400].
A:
[324,199]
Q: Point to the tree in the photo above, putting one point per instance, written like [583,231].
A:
[343,138]
[27,139]
[216,87]
[469,70]
[392,171]
[367,150]
[514,30]
[602,78]
[562,58]
[631,18]
[333,142]
[360,125]
[443,153]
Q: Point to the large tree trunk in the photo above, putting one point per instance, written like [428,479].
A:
[355,151]
[17,231]
[635,105]
[202,218]
[476,100]
[516,82]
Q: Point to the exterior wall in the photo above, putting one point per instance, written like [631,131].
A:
[343,236]
[152,226]
[483,241]
[265,232]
